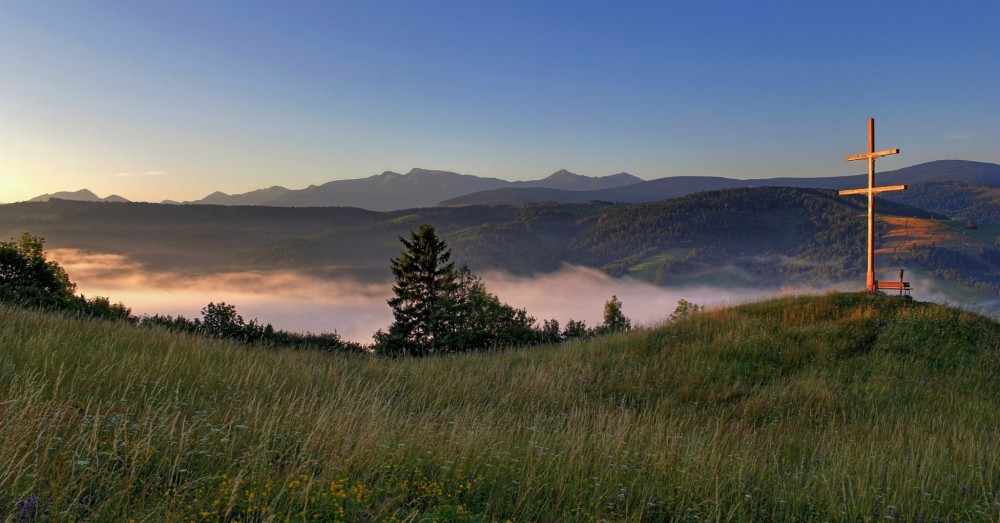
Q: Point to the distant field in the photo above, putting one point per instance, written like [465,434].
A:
[838,407]
[906,233]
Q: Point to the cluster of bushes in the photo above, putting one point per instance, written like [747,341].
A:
[222,321]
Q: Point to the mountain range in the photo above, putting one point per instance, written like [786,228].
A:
[83,195]
[388,191]
[952,171]
[957,188]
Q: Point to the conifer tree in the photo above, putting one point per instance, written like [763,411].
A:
[422,307]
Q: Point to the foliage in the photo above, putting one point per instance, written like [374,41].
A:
[223,321]
[614,319]
[101,307]
[845,407]
[550,333]
[438,309]
[684,309]
[576,330]
[481,321]
[28,279]
[423,305]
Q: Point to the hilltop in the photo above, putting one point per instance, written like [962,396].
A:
[836,407]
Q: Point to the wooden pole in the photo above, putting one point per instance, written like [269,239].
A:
[870,275]
[871,191]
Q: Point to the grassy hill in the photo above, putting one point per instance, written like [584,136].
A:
[839,407]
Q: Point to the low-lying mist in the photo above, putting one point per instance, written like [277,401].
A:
[355,310]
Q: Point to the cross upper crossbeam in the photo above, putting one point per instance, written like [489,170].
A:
[872,155]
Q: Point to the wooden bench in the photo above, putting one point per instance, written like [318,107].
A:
[901,286]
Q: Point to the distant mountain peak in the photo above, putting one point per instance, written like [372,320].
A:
[418,171]
[570,181]
[83,195]
[564,176]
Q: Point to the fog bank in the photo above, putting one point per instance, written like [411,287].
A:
[300,303]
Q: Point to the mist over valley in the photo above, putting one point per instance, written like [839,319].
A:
[356,310]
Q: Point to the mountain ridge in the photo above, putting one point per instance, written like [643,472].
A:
[973,189]
[386,191]
[83,195]
[960,171]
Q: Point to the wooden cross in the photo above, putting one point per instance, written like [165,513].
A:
[871,191]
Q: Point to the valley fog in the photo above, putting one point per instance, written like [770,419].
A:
[298,303]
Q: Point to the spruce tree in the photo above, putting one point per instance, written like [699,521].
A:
[422,307]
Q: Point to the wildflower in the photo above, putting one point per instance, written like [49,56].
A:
[27,509]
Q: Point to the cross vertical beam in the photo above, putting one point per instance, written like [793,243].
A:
[871,191]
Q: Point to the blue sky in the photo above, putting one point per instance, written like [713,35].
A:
[176,99]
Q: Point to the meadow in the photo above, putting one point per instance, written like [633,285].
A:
[843,407]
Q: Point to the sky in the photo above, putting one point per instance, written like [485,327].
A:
[176,99]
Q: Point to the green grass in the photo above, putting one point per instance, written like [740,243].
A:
[984,235]
[838,407]
[646,267]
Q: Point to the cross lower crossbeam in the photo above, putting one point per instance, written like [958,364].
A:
[871,191]
[864,190]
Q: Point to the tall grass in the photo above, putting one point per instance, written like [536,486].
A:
[841,407]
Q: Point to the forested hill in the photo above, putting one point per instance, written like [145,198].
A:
[745,236]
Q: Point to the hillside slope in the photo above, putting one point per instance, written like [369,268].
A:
[838,407]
